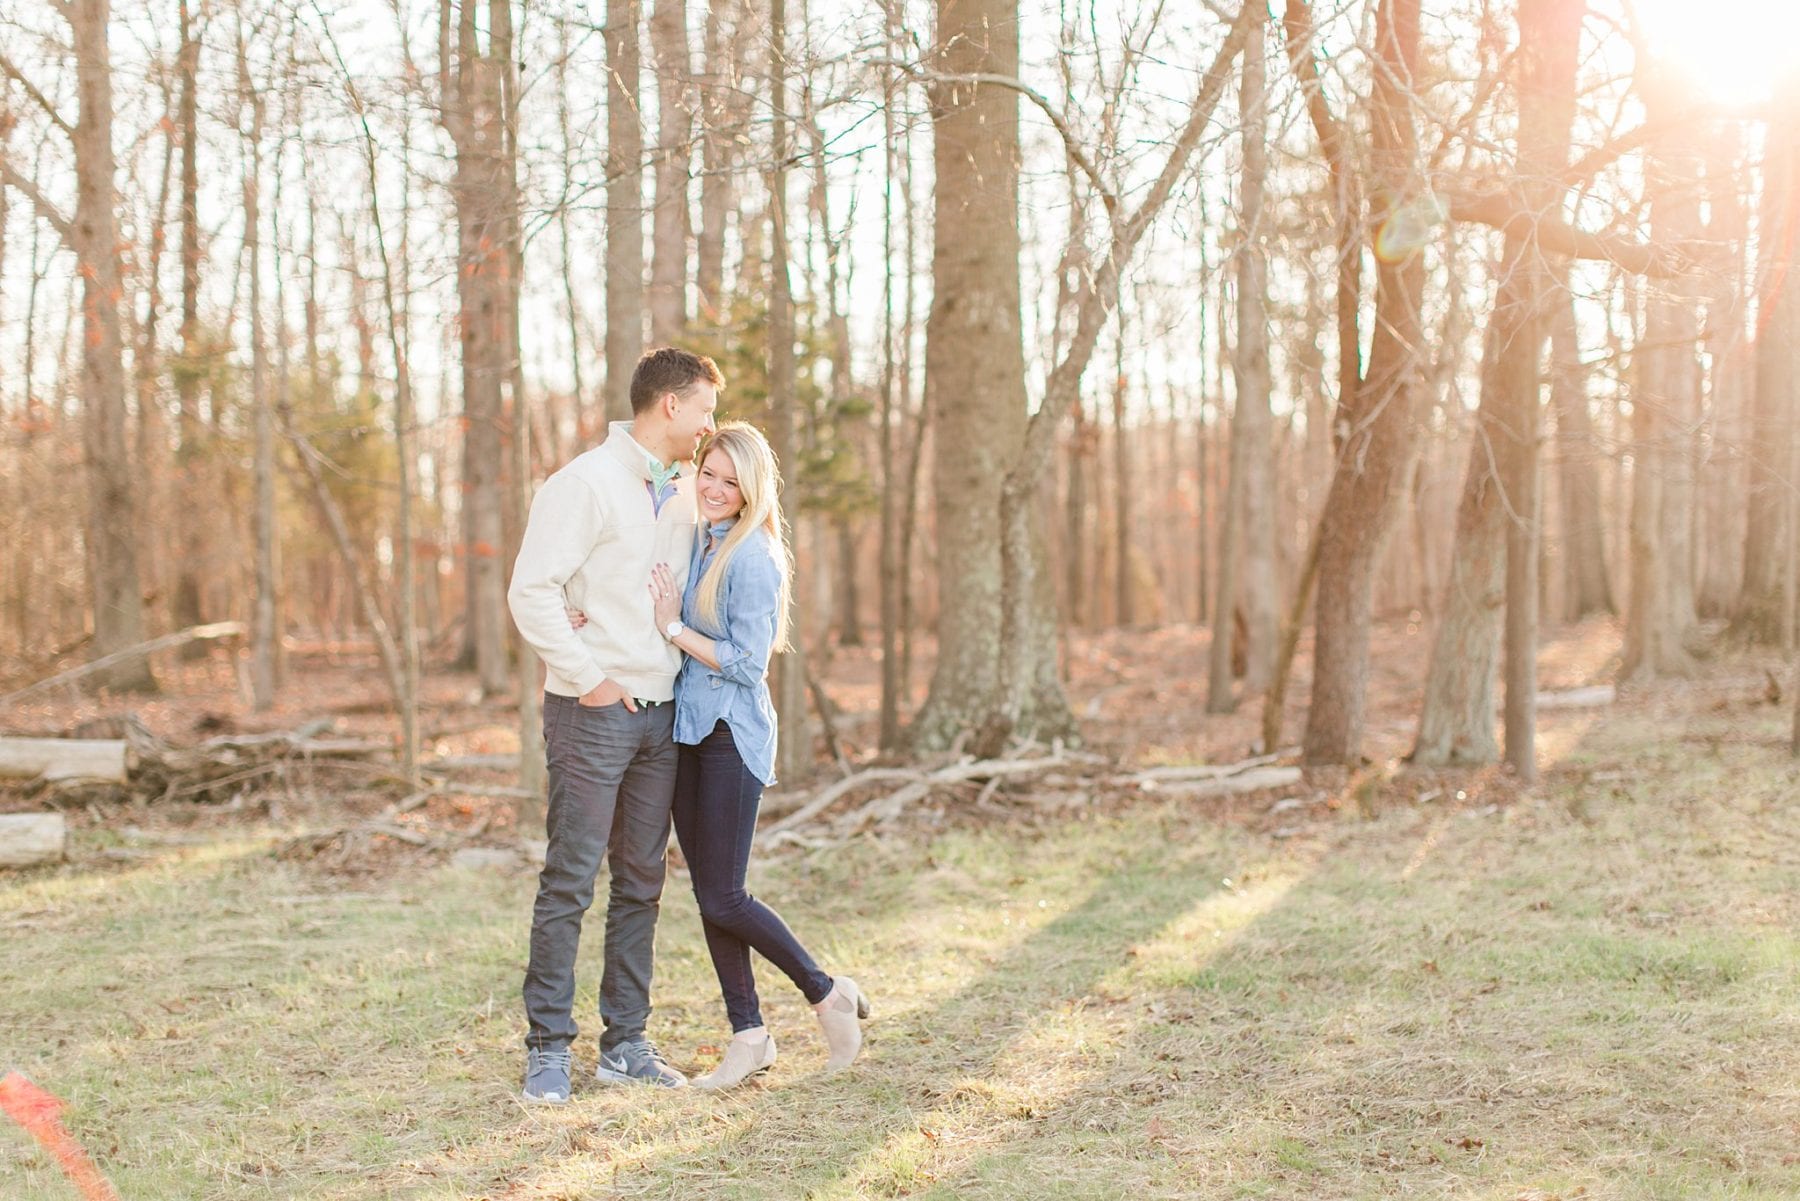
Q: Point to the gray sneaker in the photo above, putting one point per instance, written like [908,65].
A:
[637,1062]
[547,1077]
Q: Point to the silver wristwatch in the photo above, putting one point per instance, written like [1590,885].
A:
[674,630]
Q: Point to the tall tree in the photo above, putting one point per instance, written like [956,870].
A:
[1029,695]
[1660,616]
[472,84]
[92,234]
[974,350]
[1499,493]
[1247,555]
[790,679]
[1774,424]
[624,205]
[674,121]
[263,634]
[1722,483]
[1380,421]
[1587,584]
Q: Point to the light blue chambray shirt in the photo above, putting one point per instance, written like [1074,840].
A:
[738,691]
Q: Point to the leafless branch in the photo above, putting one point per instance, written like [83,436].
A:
[52,216]
[17,76]
[1071,144]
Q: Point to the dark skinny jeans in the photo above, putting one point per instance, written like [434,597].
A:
[716,799]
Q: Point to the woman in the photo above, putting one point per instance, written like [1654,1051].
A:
[733,617]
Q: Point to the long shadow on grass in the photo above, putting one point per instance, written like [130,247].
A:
[1452,1001]
[813,1135]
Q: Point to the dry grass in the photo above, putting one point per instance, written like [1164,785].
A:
[1591,989]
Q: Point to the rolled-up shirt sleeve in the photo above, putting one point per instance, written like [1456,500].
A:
[753,591]
[564,525]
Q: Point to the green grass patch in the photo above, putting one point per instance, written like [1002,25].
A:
[1594,992]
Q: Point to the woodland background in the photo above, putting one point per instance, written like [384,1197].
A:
[1096,316]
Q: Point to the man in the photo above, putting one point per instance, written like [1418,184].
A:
[596,529]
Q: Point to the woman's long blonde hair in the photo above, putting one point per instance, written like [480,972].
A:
[759,483]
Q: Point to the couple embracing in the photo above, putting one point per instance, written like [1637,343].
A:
[655,591]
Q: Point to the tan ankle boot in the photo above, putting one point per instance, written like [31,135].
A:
[840,1015]
[744,1058]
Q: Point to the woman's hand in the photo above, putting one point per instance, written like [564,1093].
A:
[577,618]
[664,595]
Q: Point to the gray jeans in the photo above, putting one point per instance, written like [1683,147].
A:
[612,779]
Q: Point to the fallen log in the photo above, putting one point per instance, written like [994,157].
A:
[55,760]
[32,839]
[1255,779]
[1595,697]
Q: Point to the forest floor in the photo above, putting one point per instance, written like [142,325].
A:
[1384,983]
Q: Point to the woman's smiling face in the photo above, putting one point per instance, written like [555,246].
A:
[720,499]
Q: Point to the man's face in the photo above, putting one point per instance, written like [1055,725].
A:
[691,418]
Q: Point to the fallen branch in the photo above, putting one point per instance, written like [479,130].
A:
[218,629]
[824,800]
[889,807]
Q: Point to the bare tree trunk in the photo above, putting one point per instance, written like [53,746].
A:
[1250,501]
[974,355]
[886,423]
[795,748]
[1587,582]
[189,518]
[1660,617]
[471,84]
[1382,434]
[1123,484]
[1721,457]
[1496,557]
[262,621]
[668,265]
[1029,696]
[624,206]
[1768,537]
[1078,564]
[112,514]
[719,109]
[577,355]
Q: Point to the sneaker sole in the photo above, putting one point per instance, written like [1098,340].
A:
[532,1099]
[607,1076]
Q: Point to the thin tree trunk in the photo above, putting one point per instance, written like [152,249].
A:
[795,749]
[891,584]
[188,368]
[1250,500]
[1123,484]
[624,206]
[262,620]
[1587,581]
[577,355]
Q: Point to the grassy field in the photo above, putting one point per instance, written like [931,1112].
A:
[1592,990]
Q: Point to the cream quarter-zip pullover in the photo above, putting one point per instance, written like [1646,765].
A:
[594,533]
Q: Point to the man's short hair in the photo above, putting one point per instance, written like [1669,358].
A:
[668,369]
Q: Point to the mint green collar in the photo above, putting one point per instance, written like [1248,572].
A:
[661,477]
